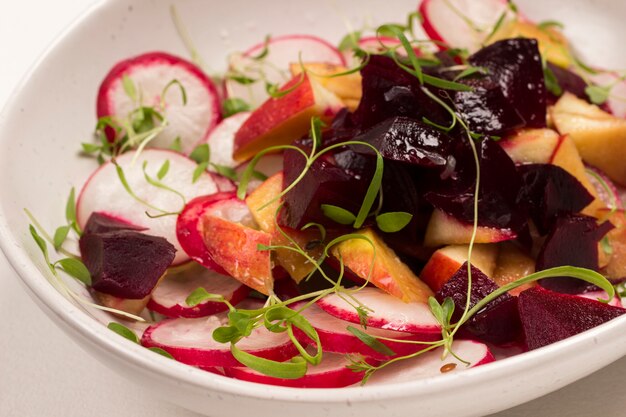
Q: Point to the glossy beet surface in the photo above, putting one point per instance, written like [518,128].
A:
[572,241]
[125,263]
[498,322]
[102,223]
[548,317]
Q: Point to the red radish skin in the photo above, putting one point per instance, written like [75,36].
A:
[332,372]
[221,140]
[388,313]
[150,73]
[190,341]
[609,197]
[103,192]
[335,337]
[169,296]
[430,363]
[282,51]
[595,295]
[188,229]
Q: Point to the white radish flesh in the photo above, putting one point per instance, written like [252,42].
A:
[335,336]
[616,101]
[332,372]
[150,74]
[388,312]
[595,295]
[104,192]
[221,140]
[169,297]
[430,364]
[274,67]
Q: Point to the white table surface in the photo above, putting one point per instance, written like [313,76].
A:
[44,374]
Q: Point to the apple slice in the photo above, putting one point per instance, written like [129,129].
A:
[296,265]
[447,260]
[443,229]
[281,120]
[512,264]
[531,146]
[389,273]
[599,136]
[347,87]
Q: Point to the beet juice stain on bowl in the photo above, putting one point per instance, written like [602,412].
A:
[403,162]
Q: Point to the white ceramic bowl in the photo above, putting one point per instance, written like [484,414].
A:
[54,110]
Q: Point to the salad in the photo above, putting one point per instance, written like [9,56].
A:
[423,198]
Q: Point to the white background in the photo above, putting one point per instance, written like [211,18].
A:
[42,372]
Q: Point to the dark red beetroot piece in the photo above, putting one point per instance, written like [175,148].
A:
[548,317]
[572,241]
[103,223]
[549,191]
[515,65]
[567,81]
[125,263]
[498,322]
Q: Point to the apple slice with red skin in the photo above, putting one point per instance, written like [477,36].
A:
[531,146]
[281,120]
[447,260]
[388,273]
[443,229]
[512,264]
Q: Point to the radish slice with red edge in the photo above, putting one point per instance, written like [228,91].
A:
[464,24]
[221,140]
[191,341]
[104,192]
[616,101]
[606,189]
[188,225]
[332,372]
[281,51]
[430,364]
[335,336]
[169,297]
[150,73]
[388,312]
[595,295]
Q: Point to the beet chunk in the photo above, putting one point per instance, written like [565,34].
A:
[102,223]
[515,65]
[549,191]
[568,81]
[573,240]
[498,322]
[548,317]
[125,263]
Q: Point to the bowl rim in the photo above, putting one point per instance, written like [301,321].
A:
[98,334]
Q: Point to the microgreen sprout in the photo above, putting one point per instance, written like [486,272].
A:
[130,335]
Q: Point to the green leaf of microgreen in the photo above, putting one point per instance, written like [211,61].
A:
[393,221]
[286,370]
[200,169]
[225,171]
[259,175]
[123,331]
[90,147]
[60,235]
[363,314]
[40,242]
[598,94]
[319,227]
[437,310]
[496,27]
[176,145]
[470,71]
[70,211]
[76,269]
[448,309]
[265,51]
[372,192]
[183,91]
[241,79]
[201,154]
[291,318]
[234,105]
[338,214]
[160,352]
[200,295]
[226,334]
[371,341]
[164,169]
[548,24]
[398,32]
[552,83]
[129,87]
[350,41]
[605,244]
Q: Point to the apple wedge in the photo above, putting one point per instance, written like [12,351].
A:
[447,260]
[388,272]
[296,265]
[347,87]
[511,265]
[599,136]
[280,120]
[443,230]
[531,146]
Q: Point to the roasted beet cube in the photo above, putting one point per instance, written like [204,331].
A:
[498,322]
[102,223]
[548,317]
[125,263]
[568,81]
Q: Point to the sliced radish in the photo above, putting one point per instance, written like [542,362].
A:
[191,341]
[169,296]
[461,23]
[595,295]
[606,189]
[335,336]
[188,225]
[104,192]
[150,73]
[274,67]
[388,312]
[430,363]
[222,139]
[332,372]
[616,102]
